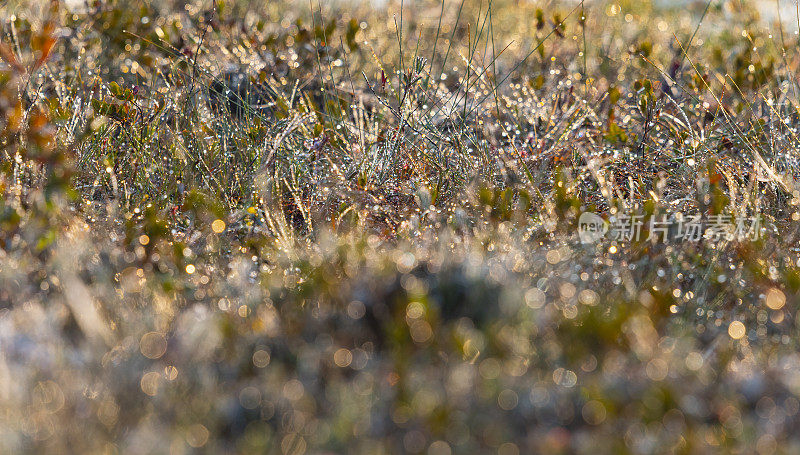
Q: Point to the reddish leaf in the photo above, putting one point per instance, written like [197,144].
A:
[7,55]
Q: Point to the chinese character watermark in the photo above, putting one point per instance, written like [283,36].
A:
[688,228]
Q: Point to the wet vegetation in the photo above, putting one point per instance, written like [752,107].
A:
[276,227]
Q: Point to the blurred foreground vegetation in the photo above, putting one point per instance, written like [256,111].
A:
[230,227]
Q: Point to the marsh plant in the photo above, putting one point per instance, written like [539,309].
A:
[279,227]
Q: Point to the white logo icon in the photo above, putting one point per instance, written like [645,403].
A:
[591,227]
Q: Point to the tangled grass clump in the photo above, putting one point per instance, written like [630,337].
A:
[239,228]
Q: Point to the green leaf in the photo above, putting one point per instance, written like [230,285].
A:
[613,95]
[350,35]
[116,90]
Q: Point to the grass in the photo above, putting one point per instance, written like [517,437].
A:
[230,227]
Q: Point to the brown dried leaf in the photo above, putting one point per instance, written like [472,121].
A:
[7,55]
[47,49]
